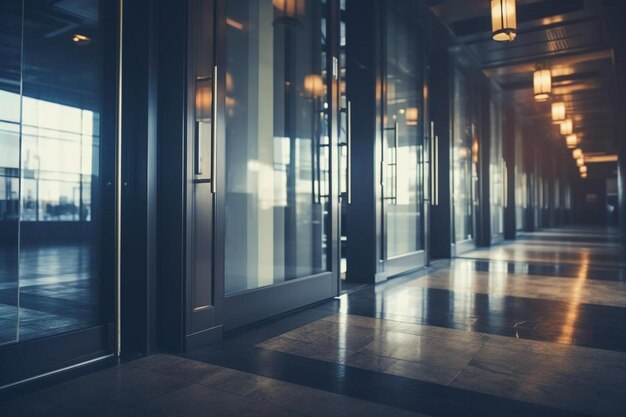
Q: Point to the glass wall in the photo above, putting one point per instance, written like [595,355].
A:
[464,169]
[277,142]
[51,103]
[497,173]
[10,108]
[403,139]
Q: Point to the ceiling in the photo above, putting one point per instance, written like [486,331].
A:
[574,38]
[38,53]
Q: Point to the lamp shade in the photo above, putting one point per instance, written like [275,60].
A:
[503,20]
[542,84]
[314,85]
[577,153]
[580,162]
[567,127]
[289,8]
[558,112]
[583,169]
[412,115]
[572,141]
[204,99]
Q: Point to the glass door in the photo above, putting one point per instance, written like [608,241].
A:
[57,194]
[204,78]
[464,156]
[278,205]
[402,152]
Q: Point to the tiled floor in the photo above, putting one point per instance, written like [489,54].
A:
[531,328]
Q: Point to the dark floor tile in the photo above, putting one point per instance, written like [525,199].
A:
[112,391]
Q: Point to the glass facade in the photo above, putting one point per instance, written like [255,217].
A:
[277,142]
[403,132]
[51,103]
[464,168]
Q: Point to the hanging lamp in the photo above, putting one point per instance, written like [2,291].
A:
[572,141]
[503,20]
[567,127]
[542,84]
[558,112]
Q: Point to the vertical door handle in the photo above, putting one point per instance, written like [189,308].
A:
[505,185]
[349,151]
[396,140]
[436,170]
[431,163]
[214,133]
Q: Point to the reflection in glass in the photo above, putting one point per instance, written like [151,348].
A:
[50,163]
[496,171]
[10,88]
[403,137]
[277,143]
[463,165]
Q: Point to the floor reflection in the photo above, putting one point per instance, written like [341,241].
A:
[58,292]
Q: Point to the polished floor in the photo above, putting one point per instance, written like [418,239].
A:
[57,292]
[531,328]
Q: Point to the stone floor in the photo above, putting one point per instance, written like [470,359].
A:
[531,328]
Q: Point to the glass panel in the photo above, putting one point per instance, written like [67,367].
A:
[463,171]
[403,132]
[497,170]
[10,90]
[277,159]
[343,140]
[61,286]
[521,181]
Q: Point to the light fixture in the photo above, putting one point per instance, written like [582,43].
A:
[314,85]
[580,162]
[204,98]
[567,127]
[288,9]
[572,141]
[577,153]
[503,20]
[542,84]
[558,112]
[412,115]
[81,39]
[583,169]
[583,175]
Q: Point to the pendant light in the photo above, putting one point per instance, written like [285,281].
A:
[567,127]
[577,153]
[503,20]
[412,115]
[583,169]
[558,112]
[314,85]
[542,84]
[580,162]
[583,175]
[572,141]
[288,11]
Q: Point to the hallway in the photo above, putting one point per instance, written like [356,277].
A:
[535,327]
